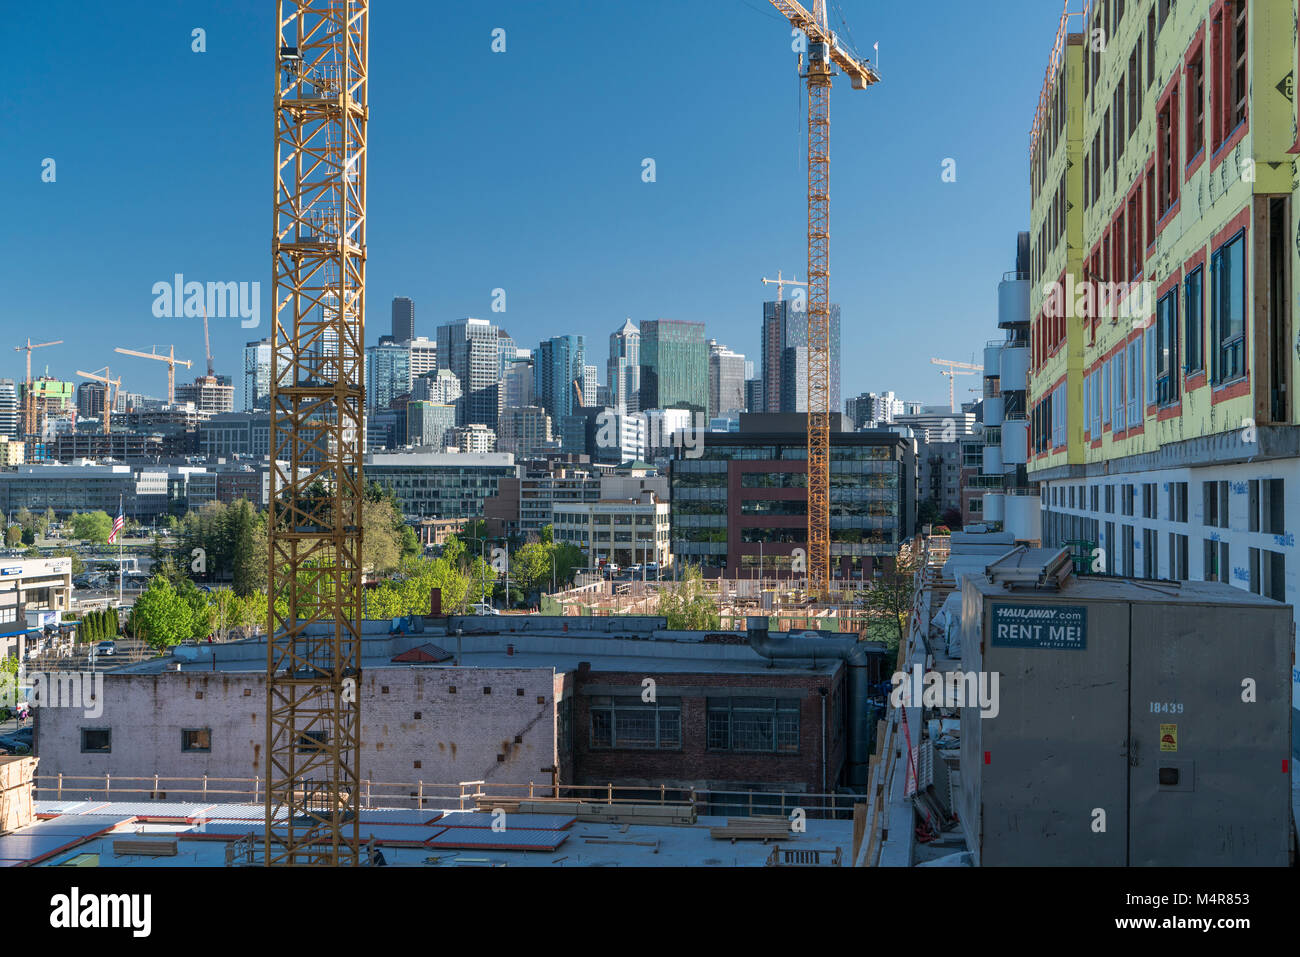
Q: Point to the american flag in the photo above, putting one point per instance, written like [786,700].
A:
[117,527]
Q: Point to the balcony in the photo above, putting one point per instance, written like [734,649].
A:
[1013,300]
[1015,441]
[1014,367]
[993,506]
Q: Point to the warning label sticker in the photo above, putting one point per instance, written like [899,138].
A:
[1169,737]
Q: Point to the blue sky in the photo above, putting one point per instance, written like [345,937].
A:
[522,170]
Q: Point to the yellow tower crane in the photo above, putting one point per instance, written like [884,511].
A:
[825,51]
[169,358]
[111,388]
[954,369]
[29,398]
[314,532]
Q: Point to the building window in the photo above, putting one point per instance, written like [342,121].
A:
[1094,495]
[753,724]
[96,740]
[312,742]
[1167,152]
[1127,551]
[196,739]
[1228,308]
[629,723]
[1217,568]
[1232,85]
[1148,499]
[1178,557]
[1194,291]
[1196,104]
[1178,501]
[1150,553]
[1128,498]
[1110,500]
[1215,500]
[1167,368]
[1268,574]
[1267,506]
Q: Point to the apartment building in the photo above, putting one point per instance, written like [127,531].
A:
[1164,435]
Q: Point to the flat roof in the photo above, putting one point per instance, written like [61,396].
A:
[202,841]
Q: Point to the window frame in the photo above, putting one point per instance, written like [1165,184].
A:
[1234,344]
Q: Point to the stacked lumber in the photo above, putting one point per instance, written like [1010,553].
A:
[143,847]
[757,828]
[647,814]
[16,777]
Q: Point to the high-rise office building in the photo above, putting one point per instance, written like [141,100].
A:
[441,387]
[90,399]
[469,348]
[429,424]
[388,373]
[726,380]
[517,382]
[674,365]
[255,385]
[561,365]
[623,369]
[590,386]
[424,356]
[785,385]
[403,319]
[10,419]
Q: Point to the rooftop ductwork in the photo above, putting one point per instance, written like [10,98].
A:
[856,656]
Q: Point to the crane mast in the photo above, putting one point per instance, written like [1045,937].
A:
[824,54]
[314,529]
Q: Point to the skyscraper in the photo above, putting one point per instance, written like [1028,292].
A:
[726,380]
[623,370]
[403,319]
[10,420]
[469,348]
[674,365]
[424,356]
[388,373]
[785,327]
[590,386]
[560,363]
[255,386]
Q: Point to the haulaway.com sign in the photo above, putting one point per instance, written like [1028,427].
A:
[1060,627]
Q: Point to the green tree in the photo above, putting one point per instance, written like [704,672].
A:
[410,542]
[92,527]
[78,566]
[687,605]
[160,616]
[382,545]
[889,596]
[202,614]
[13,535]
[530,567]
[28,536]
[26,519]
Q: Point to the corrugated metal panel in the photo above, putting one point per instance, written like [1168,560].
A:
[152,810]
[398,815]
[46,838]
[484,839]
[513,820]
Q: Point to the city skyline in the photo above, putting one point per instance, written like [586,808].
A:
[685,224]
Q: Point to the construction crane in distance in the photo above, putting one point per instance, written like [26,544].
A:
[207,346]
[111,388]
[952,370]
[781,283]
[29,399]
[169,358]
[825,51]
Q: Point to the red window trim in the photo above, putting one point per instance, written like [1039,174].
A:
[1218,45]
[1195,48]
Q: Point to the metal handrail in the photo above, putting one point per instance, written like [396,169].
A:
[462,795]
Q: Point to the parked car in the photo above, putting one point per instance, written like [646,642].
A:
[20,742]
[482,608]
[106,649]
